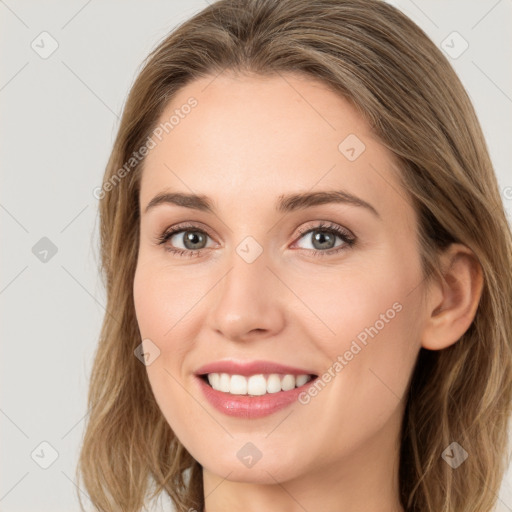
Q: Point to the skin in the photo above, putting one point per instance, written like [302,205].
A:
[250,140]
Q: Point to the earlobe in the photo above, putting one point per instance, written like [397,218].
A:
[453,302]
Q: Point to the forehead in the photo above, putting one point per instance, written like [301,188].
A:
[251,137]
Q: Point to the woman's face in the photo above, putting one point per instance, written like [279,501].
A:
[278,278]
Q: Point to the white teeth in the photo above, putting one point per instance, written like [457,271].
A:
[214,380]
[255,385]
[300,380]
[273,383]
[288,382]
[238,385]
[224,382]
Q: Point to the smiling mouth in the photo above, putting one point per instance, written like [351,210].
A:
[255,385]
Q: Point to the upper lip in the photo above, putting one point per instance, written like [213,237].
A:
[248,368]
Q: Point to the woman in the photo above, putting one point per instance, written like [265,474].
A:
[308,269]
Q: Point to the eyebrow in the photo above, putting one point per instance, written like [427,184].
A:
[285,203]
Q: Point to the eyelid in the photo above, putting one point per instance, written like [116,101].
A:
[185,226]
[327,225]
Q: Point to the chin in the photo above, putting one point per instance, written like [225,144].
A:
[263,472]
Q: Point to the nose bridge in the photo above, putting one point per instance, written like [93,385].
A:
[247,298]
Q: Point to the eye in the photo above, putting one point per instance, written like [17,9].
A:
[323,237]
[184,240]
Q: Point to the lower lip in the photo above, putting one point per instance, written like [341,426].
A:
[249,407]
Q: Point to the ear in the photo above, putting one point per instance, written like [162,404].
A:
[452,303]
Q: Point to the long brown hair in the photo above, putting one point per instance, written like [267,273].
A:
[378,59]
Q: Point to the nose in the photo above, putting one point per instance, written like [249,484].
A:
[247,302]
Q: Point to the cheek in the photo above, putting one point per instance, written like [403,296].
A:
[161,310]
[366,324]
[356,303]
[163,300]
[161,306]
[369,361]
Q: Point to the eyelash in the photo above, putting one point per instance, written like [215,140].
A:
[348,240]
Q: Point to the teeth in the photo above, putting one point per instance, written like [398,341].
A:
[300,380]
[255,385]
[288,382]
[273,383]
[238,385]
[224,382]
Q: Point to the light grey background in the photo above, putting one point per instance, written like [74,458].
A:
[59,116]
